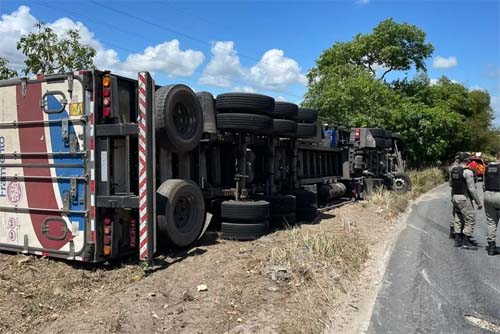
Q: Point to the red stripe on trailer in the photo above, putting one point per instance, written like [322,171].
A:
[92,236]
[143,175]
[92,143]
[92,186]
[143,182]
[33,139]
[46,254]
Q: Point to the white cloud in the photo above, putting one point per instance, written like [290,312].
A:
[476,88]
[273,72]
[244,89]
[280,98]
[442,62]
[223,67]
[166,57]
[363,2]
[12,26]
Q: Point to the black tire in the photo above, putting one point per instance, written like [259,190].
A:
[257,124]
[245,211]
[304,198]
[235,231]
[285,110]
[283,220]
[279,204]
[179,118]
[207,103]
[184,213]
[401,182]
[306,115]
[284,127]
[306,130]
[308,214]
[245,103]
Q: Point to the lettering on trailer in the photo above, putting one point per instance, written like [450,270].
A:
[3,181]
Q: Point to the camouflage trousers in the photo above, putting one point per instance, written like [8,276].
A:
[465,220]
[492,210]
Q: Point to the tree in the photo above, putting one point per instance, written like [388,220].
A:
[437,119]
[46,52]
[391,46]
[5,71]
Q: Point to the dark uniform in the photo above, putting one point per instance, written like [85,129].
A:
[463,191]
[492,203]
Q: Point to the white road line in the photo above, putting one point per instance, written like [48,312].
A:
[418,229]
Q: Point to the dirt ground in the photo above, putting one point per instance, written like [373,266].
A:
[314,278]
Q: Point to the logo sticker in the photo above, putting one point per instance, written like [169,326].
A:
[14,192]
[12,235]
[76,109]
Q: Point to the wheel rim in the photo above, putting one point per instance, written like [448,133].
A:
[399,184]
[184,120]
[184,213]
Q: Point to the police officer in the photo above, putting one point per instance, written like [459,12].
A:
[463,191]
[455,219]
[491,188]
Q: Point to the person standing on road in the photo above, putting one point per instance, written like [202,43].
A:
[491,188]
[455,219]
[463,191]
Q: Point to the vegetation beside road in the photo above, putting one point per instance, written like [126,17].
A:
[326,261]
[364,82]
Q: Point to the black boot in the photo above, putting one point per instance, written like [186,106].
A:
[492,248]
[458,239]
[466,244]
[452,233]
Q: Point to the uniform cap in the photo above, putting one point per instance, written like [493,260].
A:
[462,156]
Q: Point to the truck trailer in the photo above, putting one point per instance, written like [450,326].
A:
[95,166]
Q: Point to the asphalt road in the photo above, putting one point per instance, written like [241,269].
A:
[431,286]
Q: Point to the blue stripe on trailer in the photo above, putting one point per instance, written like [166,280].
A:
[58,145]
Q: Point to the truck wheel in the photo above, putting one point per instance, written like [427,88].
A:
[245,103]
[207,103]
[285,110]
[179,118]
[306,115]
[279,204]
[238,231]
[401,182]
[257,124]
[184,212]
[304,198]
[307,214]
[306,130]
[245,211]
[283,220]
[284,127]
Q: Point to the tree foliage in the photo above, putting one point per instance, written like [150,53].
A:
[5,71]
[391,46]
[46,52]
[437,119]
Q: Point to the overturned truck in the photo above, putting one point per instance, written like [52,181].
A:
[94,166]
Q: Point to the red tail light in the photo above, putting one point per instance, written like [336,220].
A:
[106,96]
[357,133]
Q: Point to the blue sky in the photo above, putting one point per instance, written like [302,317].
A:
[264,46]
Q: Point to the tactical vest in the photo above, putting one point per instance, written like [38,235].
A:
[458,183]
[492,177]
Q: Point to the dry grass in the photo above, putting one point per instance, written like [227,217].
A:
[394,203]
[323,264]
[326,262]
